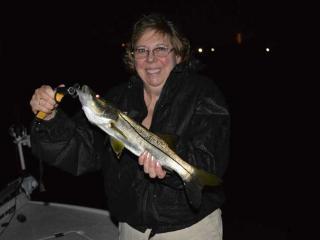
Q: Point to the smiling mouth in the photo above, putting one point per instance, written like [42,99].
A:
[153,71]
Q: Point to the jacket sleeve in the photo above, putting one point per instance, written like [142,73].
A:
[73,145]
[205,141]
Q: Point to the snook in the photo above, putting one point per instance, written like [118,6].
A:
[138,139]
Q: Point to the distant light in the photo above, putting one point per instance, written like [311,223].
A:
[212,49]
[123,44]
[268,49]
[200,50]
[239,38]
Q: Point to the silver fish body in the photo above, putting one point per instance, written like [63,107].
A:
[138,139]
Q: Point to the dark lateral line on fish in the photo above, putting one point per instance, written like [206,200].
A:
[154,145]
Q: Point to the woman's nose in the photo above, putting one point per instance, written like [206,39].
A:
[150,56]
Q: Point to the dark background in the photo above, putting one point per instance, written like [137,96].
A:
[66,44]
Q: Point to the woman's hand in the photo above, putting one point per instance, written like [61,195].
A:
[151,166]
[43,101]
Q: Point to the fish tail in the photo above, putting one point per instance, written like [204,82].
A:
[206,179]
[194,187]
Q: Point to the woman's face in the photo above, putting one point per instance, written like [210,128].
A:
[154,70]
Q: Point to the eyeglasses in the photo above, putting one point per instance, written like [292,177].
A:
[141,53]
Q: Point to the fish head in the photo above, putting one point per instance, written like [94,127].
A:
[96,109]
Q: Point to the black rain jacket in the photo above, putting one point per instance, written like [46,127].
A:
[190,109]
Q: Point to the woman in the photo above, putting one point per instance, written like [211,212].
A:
[166,97]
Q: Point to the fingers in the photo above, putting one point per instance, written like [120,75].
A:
[142,158]
[160,173]
[151,166]
[43,100]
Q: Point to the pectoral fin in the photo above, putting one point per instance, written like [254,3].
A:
[118,131]
[117,146]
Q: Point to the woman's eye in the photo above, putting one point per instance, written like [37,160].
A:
[140,50]
[160,49]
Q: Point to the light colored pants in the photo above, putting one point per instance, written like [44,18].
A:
[209,228]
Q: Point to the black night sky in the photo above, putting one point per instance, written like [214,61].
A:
[51,44]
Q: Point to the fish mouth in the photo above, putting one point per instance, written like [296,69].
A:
[86,90]
[85,95]
[89,99]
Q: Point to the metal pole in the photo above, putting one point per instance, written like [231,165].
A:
[22,162]
[20,138]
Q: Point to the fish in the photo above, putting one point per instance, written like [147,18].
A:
[127,133]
